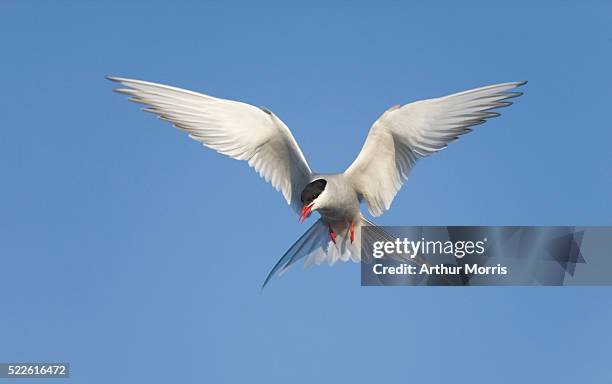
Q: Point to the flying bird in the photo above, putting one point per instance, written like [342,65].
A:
[401,136]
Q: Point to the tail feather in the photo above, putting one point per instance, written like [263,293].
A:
[316,247]
[293,253]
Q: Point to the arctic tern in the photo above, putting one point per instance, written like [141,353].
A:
[402,135]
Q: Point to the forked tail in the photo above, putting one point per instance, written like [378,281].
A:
[316,247]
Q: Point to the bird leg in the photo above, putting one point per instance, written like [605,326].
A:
[332,234]
[352,229]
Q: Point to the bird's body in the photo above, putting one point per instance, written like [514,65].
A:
[396,141]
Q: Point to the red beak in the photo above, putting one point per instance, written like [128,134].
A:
[305,212]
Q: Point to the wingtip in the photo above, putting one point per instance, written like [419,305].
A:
[512,95]
[121,80]
[124,91]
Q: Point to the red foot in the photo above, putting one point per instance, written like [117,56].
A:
[332,235]
[352,229]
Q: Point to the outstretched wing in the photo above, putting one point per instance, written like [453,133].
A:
[235,129]
[404,134]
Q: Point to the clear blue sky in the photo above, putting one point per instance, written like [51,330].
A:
[136,255]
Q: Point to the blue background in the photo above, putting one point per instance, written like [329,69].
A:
[136,255]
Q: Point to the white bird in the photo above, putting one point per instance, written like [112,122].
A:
[400,137]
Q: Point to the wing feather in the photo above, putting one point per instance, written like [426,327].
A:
[403,135]
[233,128]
